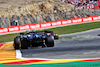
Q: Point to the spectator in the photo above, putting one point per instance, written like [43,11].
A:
[81,3]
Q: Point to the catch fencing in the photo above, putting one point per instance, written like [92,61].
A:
[43,18]
[51,24]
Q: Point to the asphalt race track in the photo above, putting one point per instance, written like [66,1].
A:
[71,46]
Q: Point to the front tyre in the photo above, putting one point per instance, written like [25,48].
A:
[16,43]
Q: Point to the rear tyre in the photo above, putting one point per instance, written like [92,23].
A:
[16,43]
[49,41]
[24,44]
[56,37]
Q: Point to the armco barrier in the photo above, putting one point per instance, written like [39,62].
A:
[48,24]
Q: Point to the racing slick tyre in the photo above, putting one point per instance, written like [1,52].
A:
[24,44]
[50,41]
[98,34]
[16,43]
[56,36]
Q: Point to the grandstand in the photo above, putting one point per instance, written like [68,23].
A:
[86,4]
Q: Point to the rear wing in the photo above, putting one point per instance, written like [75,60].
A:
[23,33]
[38,32]
[48,31]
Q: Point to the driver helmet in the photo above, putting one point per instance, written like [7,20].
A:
[33,32]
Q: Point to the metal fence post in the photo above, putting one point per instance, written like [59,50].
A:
[24,19]
[42,18]
[62,15]
[94,8]
[18,20]
[89,12]
[72,16]
[30,18]
[6,22]
[83,12]
[49,17]
[66,15]
[12,19]
[55,15]
[0,23]
[78,13]
[36,19]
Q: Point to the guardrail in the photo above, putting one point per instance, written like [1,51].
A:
[48,24]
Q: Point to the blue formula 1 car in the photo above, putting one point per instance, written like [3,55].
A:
[35,39]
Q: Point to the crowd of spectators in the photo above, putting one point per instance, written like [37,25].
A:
[85,4]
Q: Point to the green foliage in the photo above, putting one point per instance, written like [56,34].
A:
[59,30]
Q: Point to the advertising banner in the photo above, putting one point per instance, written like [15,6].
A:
[48,24]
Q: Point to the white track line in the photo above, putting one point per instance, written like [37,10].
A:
[18,54]
[81,32]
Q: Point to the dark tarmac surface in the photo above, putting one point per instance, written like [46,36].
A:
[74,46]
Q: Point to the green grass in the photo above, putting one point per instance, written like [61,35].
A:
[7,38]
[71,64]
[76,28]
[59,30]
